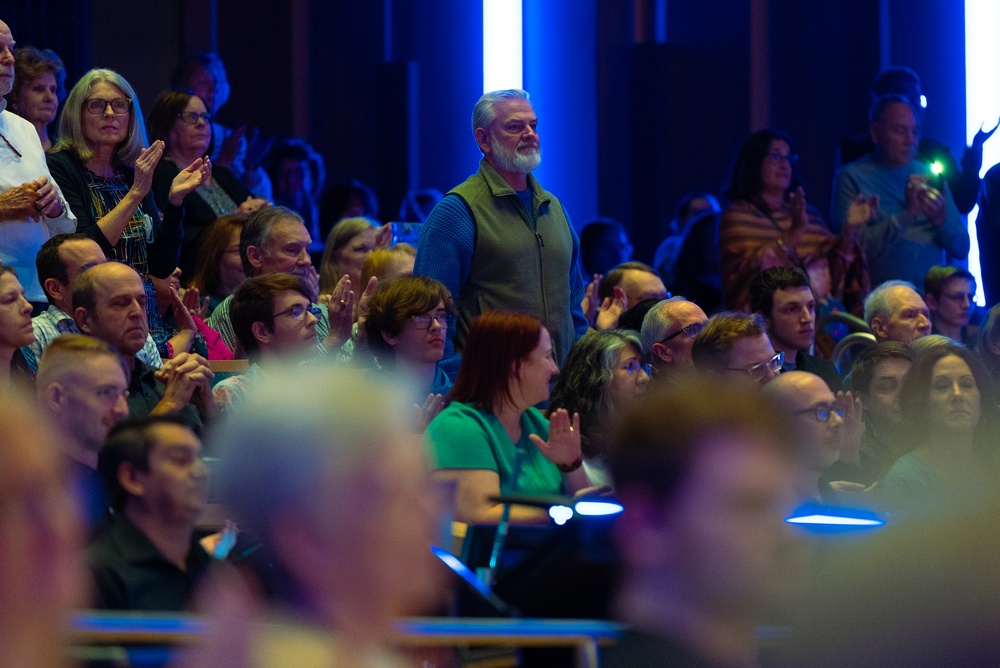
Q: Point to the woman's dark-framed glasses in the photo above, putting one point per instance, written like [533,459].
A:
[424,321]
[298,311]
[690,331]
[191,117]
[632,366]
[822,412]
[97,106]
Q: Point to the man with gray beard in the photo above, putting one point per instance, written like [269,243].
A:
[499,241]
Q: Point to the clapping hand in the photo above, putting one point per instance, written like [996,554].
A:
[591,302]
[188,179]
[611,310]
[145,165]
[563,446]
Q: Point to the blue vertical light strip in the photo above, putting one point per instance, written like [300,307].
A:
[502,45]
[982,99]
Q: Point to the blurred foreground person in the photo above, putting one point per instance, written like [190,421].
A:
[707,476]
[922,596]
[41,579]
[321,470]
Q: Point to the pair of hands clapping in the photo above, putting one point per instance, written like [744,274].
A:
[186,182]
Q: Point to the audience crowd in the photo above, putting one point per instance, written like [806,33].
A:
[263,403]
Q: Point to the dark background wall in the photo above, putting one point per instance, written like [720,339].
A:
[639,102]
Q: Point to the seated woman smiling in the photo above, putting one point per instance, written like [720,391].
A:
[490,439]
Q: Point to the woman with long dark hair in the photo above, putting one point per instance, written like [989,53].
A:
[770,224]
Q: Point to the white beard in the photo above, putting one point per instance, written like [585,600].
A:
[515,161]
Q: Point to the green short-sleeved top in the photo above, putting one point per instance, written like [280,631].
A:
[465,437]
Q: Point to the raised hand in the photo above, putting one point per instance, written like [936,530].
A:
[48,201]
[231,146]
[340,310]
[384,236]
[188,180]
[428,411]
[366,297]
[860,212]
[611,310]
[194,303]
[145,165]
[591,302]
[563,446]
[983,134]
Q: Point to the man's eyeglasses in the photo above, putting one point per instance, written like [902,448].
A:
[424,321]
[761,369]
[632,366]
[690,331]
[191,117]
[298,312]
[97,106]
[823,411]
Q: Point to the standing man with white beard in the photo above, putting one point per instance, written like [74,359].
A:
[499,241]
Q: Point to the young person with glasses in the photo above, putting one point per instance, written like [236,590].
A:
[408,320]
[181,120]
[275,322]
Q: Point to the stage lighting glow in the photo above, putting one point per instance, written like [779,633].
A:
[982,99]
[594,508]
[923,101]
[560,514]
[502,45]
[818,515]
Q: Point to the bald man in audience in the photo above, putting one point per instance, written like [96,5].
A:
[818,415]
[707,475]
[670,328]
[147,557]
[895,311]
[81,390]
[109,303]
[59,261]
[41,575]
[637,280]
[736,346]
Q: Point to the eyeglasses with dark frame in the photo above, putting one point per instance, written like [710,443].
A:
[424,321]
[298,311]
[759,370]
[97,106]
[822,412]
[690,331]
[191,117]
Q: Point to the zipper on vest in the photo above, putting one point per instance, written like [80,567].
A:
[540,244]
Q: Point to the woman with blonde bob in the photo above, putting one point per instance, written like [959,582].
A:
[105,169]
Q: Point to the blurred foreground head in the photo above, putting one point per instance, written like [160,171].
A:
[41,579]
[320,468]
[707,476]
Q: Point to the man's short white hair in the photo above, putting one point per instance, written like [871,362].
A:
[484,113]
[878,304]
[658,322]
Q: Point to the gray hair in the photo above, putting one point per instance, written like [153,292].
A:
[484,113]
[71,133]
[257,231]
[657,323]
[878,303]
[298,439]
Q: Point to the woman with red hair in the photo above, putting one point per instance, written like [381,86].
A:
[489,439]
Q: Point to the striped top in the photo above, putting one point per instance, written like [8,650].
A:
[752,240]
